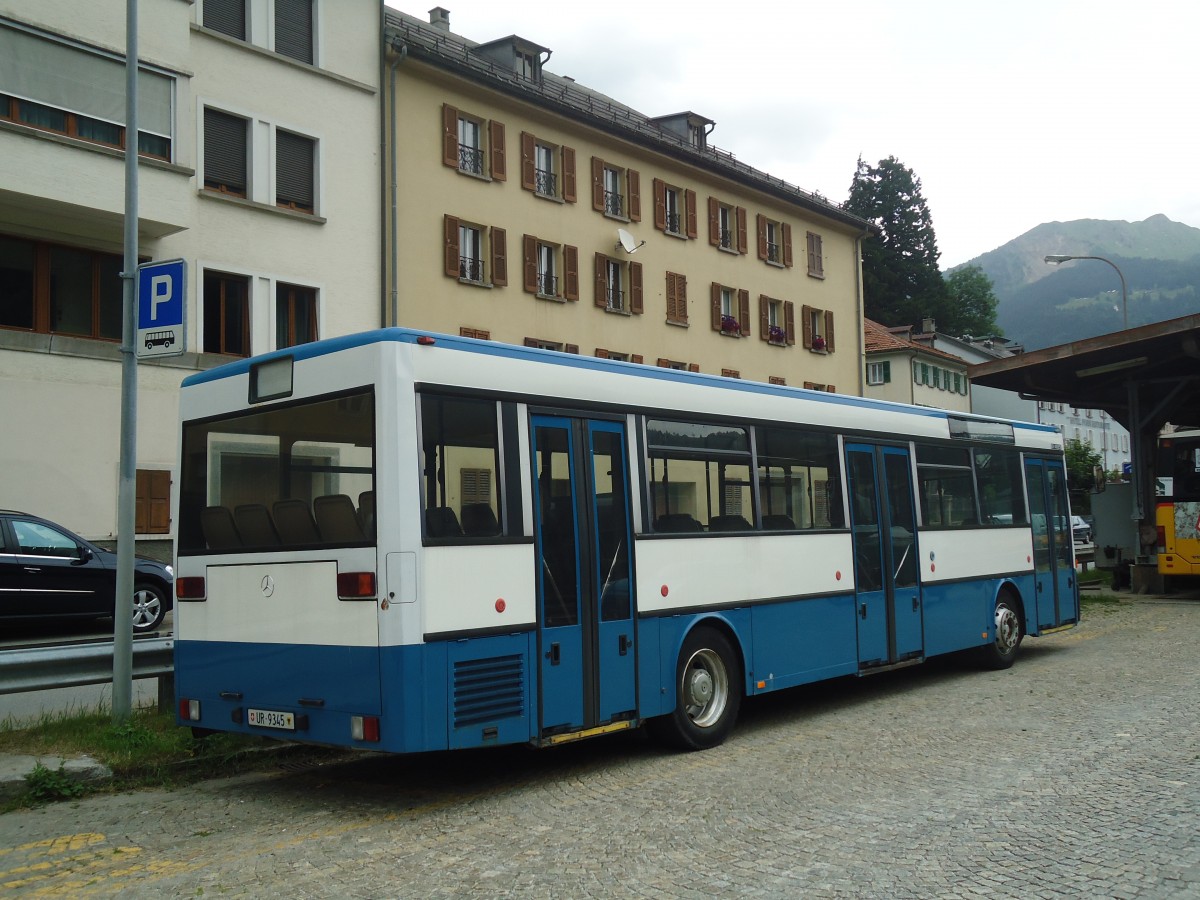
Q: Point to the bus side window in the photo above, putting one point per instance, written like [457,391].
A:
[461,471]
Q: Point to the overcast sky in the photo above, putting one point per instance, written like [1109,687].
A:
[1011,114]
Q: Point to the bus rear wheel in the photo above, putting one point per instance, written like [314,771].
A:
[1002,651]
[708,693]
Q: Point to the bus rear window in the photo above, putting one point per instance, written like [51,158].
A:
[289,477]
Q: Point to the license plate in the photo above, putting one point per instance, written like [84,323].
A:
[267,718]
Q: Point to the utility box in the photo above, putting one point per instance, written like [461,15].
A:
[1114,531]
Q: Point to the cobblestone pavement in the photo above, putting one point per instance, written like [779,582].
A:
[1075,774]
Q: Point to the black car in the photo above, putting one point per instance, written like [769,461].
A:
[47,571]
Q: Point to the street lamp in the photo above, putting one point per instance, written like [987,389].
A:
[1056,259]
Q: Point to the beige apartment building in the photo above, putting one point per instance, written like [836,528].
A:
[260,168]
[532,210]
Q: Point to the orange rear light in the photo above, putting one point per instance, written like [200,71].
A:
[191,588]
[355,585]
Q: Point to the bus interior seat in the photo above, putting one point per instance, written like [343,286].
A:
[778,522]
[254,523]
[677,523]
[337,520]
[295,523]
[366,513]
[220,532]
[440,522]
[729,523]
[478,520]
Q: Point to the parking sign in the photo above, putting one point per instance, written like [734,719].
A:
[161,292]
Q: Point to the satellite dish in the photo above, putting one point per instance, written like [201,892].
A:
[626,241]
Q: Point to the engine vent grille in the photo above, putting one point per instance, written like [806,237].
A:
[488,689]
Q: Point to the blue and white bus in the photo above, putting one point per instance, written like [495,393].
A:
[405,542]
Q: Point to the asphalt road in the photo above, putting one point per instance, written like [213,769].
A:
[1075,774]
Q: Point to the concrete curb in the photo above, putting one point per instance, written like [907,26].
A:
[14,768]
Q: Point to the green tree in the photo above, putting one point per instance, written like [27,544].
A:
[1082,460]
[972,303]
[902,283]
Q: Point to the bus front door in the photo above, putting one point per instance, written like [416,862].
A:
[886,574]
[585,599]
[1053,561]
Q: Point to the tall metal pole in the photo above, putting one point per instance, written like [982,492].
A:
[122,695]
[1056,259]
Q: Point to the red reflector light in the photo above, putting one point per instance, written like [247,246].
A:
[189,710]
[426,341]
[189,588]
[356,584]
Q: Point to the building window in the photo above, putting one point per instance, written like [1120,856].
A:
[226,314]
[618,285]
[473,146]
[295,161]
[470,247]
[601,353]
[777,379]
[558,346]
[730,310]
[227,17]
[479,334]
[776,321]
[152,504]
[677,365]
[52,289]
[674,210]
[879,372]
[731,373]
[774,242]
[295,315]
[226,147]
[823,388]
[293,29]
[616,192]
[726,226]
[816,261]
[677,311]
[551,271]
[547,170]
[818,329]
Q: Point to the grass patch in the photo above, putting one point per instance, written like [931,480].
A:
[1094,576]
[1099,600]
[148,750]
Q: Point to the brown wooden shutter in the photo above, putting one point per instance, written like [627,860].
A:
[787,244]
[497,153]
[529,263]
[602,354]
[601,282]
[764,317]
[806,326]
[660,205]
[571,348]
[714,222]
[499,257]
[742,243]
[663,363]
[829,388]
[635,195]
[571,272]
[528,180]
[744,312]
[152,505]
[714,302]
[597,183]
[828,331]
[449,136]
[450,230]
[689,201]
[761,224]
[531,342]
[637,358]
[693,367]
[812,254]
[635,288]
[789,315]
[568,174]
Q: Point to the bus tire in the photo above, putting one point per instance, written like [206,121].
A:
[1001,653]
[708,693]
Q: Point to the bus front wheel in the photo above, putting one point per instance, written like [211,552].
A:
[708,693]
[1002,651]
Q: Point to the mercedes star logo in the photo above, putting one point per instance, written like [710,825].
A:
[268,586]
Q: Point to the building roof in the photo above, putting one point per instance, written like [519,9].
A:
[880,339]
[565,96]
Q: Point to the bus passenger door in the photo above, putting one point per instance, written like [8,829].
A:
[585,603]
[1053,562]
[885,555]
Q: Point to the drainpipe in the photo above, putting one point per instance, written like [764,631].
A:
[389,312]
[862,311]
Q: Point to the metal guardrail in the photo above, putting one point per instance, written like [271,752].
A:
[25,669]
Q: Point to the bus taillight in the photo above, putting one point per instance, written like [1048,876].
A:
[364,728]
[355,585]
[191,588]
[1162,538]
[189,710]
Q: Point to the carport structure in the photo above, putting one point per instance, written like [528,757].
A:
[1144,378]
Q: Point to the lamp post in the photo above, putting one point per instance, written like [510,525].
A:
[1056,259]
